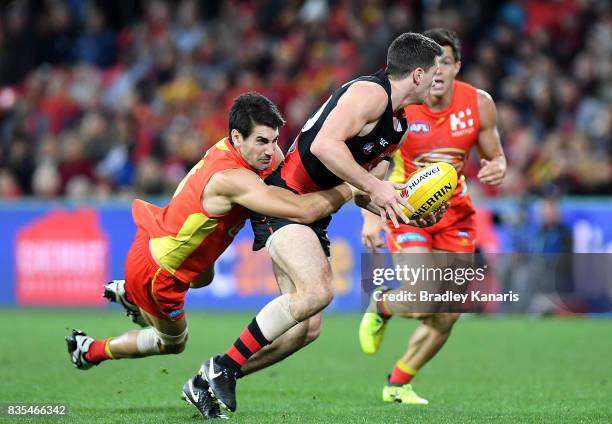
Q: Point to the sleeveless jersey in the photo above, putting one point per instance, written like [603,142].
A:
[304,173]
[445,136]
[185,237]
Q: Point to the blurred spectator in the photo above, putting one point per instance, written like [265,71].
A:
[17,44]
[20,163]
[74,162]
[56,33]
[9,188]
[126,102]
[544,276]
[117,167]
[189,31]
[149,178]
[46,181]
[552,236]
[96,45]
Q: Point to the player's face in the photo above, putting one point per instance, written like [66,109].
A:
[258,148]
[427,80]
[448,70]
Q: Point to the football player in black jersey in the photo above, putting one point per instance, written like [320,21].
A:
[349,138]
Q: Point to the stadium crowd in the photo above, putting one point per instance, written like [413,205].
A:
[113,98]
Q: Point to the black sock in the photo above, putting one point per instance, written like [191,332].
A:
[250,341]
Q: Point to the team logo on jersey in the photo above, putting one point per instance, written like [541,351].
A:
[383,142]
[418,127]
[368,147]
[462,122]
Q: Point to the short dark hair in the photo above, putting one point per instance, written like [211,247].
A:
[410,51]
[446,37]
[252,109]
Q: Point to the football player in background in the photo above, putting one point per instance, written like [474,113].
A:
[454,118]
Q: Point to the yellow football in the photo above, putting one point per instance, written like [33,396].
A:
[427,188]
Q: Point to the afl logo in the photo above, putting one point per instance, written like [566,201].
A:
[418,127]
[367,148]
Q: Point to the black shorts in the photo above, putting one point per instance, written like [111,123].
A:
[264,227]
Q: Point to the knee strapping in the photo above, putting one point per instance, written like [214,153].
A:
[168,340]
[148,342]
[151,341]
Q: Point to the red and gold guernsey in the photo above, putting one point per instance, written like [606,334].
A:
[185,238]
[445,136]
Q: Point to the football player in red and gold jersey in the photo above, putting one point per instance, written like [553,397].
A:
[455,117]
[175,247]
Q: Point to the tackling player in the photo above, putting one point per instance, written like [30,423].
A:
[175,247]
[350,138]
[454,117]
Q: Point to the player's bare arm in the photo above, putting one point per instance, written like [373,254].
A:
[492,158]
[245,188]
[362,105]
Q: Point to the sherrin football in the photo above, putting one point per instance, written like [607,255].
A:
[428,188]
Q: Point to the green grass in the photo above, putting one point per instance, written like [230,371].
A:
[491,370]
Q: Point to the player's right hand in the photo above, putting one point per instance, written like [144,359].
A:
[386,197]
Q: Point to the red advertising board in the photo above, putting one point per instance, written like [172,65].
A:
[62,259]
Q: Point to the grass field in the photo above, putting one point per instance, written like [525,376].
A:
[491,370]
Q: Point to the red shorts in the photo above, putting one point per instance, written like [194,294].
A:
[456,232]
[151,287]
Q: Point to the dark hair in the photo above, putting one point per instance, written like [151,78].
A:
[446,37]
[410,51]
[252,109]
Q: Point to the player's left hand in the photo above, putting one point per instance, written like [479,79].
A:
[491,172]
[370,235]
[431,219]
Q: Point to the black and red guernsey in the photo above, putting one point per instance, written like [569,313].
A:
[303,172]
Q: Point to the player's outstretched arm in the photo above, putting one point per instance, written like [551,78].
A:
[362,104]
[492,158]
[243,187]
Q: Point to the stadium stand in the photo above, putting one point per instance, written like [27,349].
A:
[116,99]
